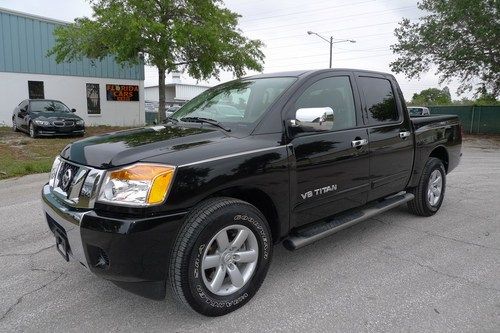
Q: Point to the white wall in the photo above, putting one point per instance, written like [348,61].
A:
[71,90]
[152,94]
[183,92]
[187,92]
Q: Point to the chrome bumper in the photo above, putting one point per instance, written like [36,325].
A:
[68,219]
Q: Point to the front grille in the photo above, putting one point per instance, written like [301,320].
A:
[66,175]
[63,123]
[77,185]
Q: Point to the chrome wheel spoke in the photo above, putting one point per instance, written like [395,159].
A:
[245,256]
[211,261]
[240,238]
[218,279]
[435,187]
[235,276]
[226,266]
[222,240]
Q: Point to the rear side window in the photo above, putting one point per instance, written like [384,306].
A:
[380,101]
[333,92]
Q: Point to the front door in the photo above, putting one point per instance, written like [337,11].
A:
[330,166]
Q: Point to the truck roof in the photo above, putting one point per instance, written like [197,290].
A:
[303,73]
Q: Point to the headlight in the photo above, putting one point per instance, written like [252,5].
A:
[80,122]
[137,185]
[42,122]
[53,171]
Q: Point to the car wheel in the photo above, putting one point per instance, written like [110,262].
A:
[220,257]
[14,126]
[429,193]
[32,130]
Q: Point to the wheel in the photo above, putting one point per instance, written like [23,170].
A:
[429,193]
[14,126]
[32,130]
[220,257]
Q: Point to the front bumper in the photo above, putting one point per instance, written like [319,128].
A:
[55,130]
[122,249]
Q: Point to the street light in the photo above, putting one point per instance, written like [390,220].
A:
[331,42]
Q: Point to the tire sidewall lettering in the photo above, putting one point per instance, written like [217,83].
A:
[260,230]
[200,290]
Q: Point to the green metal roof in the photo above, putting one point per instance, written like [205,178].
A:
[25,40]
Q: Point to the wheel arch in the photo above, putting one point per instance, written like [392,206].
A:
[261,200]
[441,153]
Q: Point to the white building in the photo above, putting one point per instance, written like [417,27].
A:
[176,93]
[102,92]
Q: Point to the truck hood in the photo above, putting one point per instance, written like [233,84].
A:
[129,146]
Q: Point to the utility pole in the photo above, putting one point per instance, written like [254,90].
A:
[331,41]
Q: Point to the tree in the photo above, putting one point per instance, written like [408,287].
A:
[199,37]
[486,98]
[460,37]
[432,96]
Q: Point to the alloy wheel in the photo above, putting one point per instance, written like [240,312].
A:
[230,260]
[434,188]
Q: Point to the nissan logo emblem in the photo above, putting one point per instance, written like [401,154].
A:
[66,179]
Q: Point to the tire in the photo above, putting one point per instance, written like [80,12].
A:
[191,283]
[14,126]
[32,130]
[424,203]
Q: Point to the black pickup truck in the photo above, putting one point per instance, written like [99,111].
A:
[198,202]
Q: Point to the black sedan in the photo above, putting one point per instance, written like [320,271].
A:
[46,117]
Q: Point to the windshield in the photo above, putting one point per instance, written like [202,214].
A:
[240,102]
[47,106]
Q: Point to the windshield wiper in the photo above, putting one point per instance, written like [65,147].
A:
[172,119]
[205,120]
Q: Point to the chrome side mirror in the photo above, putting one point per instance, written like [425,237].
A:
[313,119]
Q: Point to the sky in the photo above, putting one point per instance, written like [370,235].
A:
[283,24]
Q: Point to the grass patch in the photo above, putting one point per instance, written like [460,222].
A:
[20,155]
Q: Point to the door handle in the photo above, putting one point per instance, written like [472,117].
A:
[359,143]
[404,135]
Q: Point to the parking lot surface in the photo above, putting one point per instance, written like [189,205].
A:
[396,272]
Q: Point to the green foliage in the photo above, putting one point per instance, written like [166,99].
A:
[460,37]
[199,37]
[432,96]
[486,99]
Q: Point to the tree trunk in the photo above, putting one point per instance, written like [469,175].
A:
[161,92]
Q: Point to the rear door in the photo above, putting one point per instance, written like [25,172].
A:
[390,134]
[328,174]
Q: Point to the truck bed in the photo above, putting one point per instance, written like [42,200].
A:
[434,120]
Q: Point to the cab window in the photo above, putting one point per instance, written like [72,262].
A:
[333,92]
[379,99]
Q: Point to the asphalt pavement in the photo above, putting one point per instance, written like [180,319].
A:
[395,272]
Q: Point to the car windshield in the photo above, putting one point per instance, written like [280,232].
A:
[239,102]
[48,106]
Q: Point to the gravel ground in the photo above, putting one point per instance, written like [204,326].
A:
[395,272]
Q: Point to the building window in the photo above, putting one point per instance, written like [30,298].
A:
[35,90]
[93,99]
